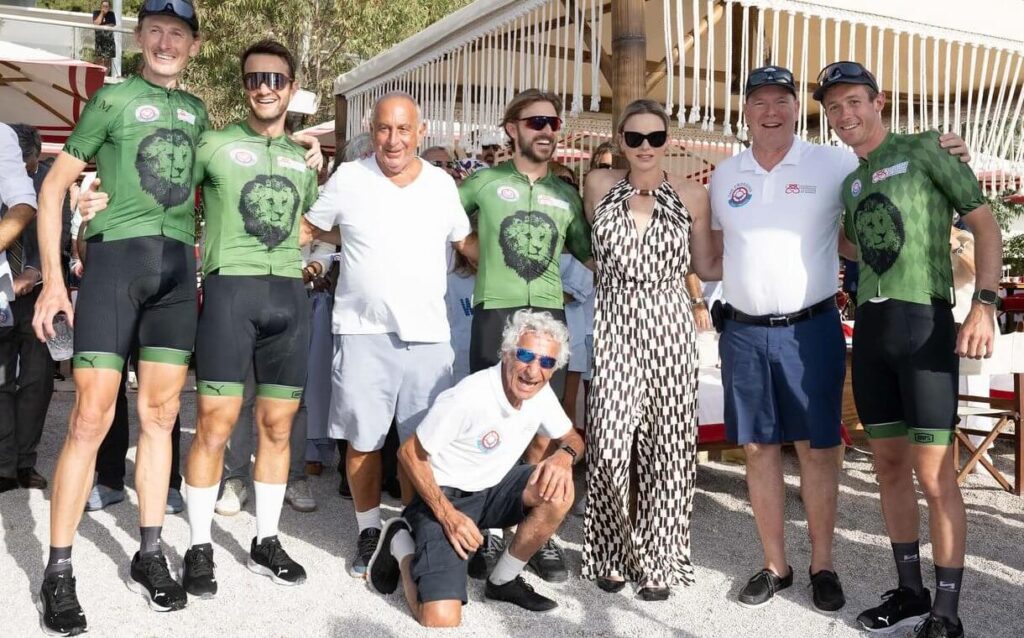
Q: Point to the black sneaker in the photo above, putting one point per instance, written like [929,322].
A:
[269,559]
[826,591]
[61,615]
[151,578]
[900,607]
[518,592]
[486,556]
[549,563]
[936,627]
[383,569]
[762,586]
[197,575]
[365,546]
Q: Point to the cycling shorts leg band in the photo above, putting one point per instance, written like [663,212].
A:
[928,436]
[164,355]
[219,389]
[104,360]
[886,430]
[274,391]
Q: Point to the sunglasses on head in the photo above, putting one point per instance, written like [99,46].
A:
[527,356]
[843,71]
[634,139]
[181,8]
[770,75]
[538,122]
[274,81]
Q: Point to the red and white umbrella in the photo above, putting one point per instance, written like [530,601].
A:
[45,90]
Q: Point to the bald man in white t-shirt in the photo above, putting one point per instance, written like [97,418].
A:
[464,462]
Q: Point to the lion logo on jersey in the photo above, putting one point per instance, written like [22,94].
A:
[269,204]
[164,163]
[528,240]
[880,232]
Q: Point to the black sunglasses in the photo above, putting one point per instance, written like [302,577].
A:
[843,71]
[656,139]
[603,165]
[770,75]
[538,122]
[274,81]
[181,8]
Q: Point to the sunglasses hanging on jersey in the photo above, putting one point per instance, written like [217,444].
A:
[539,122]
[656,139]
[274,81]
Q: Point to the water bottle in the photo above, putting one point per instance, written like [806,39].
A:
[62,343]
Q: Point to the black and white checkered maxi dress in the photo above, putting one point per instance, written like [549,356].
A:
[644,388]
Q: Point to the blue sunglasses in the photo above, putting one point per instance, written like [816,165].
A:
[527,356]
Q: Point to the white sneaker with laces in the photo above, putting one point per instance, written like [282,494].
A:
[299,495]
[233,498]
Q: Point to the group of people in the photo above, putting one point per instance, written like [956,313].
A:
[496,449]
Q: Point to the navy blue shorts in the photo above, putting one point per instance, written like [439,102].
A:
[438,571]
[785,383]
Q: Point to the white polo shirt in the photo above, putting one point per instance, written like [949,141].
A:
[780,227]
[393,273]
[474,436]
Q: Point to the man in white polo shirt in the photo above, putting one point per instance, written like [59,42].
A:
[396,215]
[775,209]
[463,462]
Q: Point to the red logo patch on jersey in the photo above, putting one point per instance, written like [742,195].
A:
[489,441]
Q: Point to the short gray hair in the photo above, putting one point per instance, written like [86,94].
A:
[541,324]
[390,95]
[357,148]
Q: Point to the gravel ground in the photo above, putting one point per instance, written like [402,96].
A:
[331,603]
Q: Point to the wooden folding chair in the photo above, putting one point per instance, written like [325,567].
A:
[1008,358]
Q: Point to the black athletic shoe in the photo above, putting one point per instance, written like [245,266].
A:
[197,576]
[383,569]
[61,615]
[365,547]
[827,592]
[900,607]
[486,556]
[518,592]
[653,594]
[936,627]
[269,559]
[549,563]
[762,586]
[151,578]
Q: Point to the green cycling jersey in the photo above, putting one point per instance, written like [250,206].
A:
[255,191]
[143,138]
[522,227]
[899,207]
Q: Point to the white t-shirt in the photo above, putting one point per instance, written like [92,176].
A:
[393,249]
[474,436]
[780,227]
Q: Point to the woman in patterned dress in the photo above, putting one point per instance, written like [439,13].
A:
[649,229]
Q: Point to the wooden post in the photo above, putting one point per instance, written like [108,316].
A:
[629,55]
[340,126]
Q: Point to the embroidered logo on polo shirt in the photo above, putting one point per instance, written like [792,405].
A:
[740,195]
[547,200]
[508,193]
[801,189]
[856,187]
[489,441]
[892,171]
[147,113]
[243,157]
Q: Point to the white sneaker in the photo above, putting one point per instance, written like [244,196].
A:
[233,498]
[300,497]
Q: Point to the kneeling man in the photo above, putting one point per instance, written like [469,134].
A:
[464,463]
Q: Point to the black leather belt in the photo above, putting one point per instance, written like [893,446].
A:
[776,321]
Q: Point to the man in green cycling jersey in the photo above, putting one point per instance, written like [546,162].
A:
[140,282]
[256,187]
[899,203]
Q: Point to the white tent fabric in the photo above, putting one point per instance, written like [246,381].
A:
[943,68]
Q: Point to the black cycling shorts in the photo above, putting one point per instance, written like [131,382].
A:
[258,320]
[905,370]
[140,285]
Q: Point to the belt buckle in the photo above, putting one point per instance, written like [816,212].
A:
[775,322]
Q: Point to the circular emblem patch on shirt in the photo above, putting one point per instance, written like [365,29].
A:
[856,187]
[740,195]
[508,193]
[147,113]
[243,157]
[489,441]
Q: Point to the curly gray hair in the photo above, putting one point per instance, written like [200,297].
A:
[541,324]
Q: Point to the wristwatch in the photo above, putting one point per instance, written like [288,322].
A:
[985,296]
[698,301]
[571,452]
